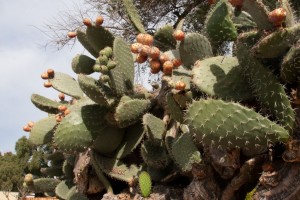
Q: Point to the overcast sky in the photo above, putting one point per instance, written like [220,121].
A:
[23,59]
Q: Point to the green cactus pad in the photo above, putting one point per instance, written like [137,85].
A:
[115,168]
[95,90]
[290,19]
[258,12]
[289,71]
[231,125]
[67,169]
[117,82]
[131,111]
[99,38]
[185,152]
[74,195]
[42,131]
[155,155]
[182,74]
[42,185]
[145,184]
[82,38]
[125,62]
[66,84]
[78,129]
[108,140]
[134,15]
[221,77]
[218,24]
[45,104]
[194,47]
[63,188]
[154,127]
[133,136]
[243,21]
[100,174]
[173,108]
[266,87]
[163,38]
[277,43]
[83,64]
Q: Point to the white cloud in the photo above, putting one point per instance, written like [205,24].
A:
[22,61]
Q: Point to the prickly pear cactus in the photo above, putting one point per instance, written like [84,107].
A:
[209,113]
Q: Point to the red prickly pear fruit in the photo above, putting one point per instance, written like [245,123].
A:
[58,118]
[148,40]
[45,76]
[141,58]
[87,22]
[145,50]
[26,128]
[99,20]
[179,35]
[168,67]
[277,16]
[30,124]
[163,58]
[176,62]
[47,84]
[67,111]
[154,53]
[180,85]
[135,47]
[61,96]
[140,37]
[72,34]
[50,73]
[62,108]
[155,66]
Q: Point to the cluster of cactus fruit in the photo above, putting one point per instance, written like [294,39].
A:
[218,121]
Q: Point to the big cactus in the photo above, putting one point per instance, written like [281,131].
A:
[208,115]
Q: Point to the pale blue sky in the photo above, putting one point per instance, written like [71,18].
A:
[22,60]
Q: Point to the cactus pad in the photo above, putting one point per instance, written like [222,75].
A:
[83,64]
[131,111]
[78,129]
[145,184]
[42,131]
[185,152]
[125,62]
[154,127]
[99,38]
[82,38]
[67,85]
[222,77]
[228,124]
[45,104]
[163,38]
[108,140]
[134,15]
[219,25]
[194,47]
[95,90]
[115,168]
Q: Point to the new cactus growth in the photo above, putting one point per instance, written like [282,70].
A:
[209,113]
[145,184]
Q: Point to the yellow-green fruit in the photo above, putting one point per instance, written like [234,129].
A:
[28,179]
[145,184]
